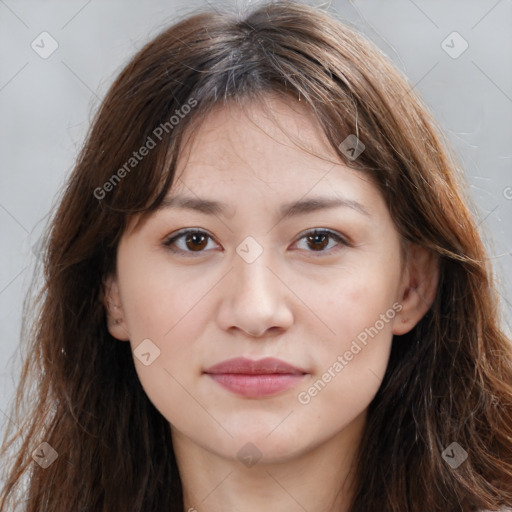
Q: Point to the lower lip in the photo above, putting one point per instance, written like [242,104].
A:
[256,386]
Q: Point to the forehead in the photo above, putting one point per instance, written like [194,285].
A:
[264,157]
[275,143]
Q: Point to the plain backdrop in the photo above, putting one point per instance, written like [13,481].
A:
[47,101]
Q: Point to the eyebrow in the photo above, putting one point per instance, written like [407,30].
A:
[292,209]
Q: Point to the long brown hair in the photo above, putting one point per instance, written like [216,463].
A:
[448,380]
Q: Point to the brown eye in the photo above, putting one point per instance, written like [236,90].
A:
[319,241]
[196,241]
[189,241]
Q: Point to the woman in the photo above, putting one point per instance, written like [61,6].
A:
[264,288]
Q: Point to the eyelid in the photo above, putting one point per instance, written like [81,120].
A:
[336,234]
[342,240]
[168,240]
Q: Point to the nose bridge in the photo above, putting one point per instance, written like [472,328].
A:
[255,300]
[253,281]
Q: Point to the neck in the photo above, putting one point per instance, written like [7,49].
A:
[320,478]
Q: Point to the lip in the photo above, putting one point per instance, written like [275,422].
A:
[255,379]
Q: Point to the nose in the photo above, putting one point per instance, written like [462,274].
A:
[254,299]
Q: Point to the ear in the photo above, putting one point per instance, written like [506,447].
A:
[417,289]
[115,315]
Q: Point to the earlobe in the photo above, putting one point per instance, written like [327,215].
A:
[418,289]
[115,315]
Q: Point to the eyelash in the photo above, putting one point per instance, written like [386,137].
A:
[181,234]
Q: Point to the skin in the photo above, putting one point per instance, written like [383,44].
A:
[294,302]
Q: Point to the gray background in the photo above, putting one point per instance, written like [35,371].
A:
[46,106]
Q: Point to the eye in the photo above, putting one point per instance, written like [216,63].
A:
[318,240]
[196,241]
[193,241]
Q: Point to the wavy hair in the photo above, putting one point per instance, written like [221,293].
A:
[448,380]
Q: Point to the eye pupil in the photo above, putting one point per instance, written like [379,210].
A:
[196,237]
[318,238]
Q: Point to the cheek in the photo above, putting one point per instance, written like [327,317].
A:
[350,364]
[171,321]
[350,303]
[175,318]
[158,300]
[169,379]
[164,315]
[352,354]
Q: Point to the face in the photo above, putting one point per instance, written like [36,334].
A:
[321,289]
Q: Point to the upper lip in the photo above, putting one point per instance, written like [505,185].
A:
[267,365]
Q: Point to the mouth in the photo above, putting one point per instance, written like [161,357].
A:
[255,379]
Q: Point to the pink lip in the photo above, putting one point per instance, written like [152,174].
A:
[255,379]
